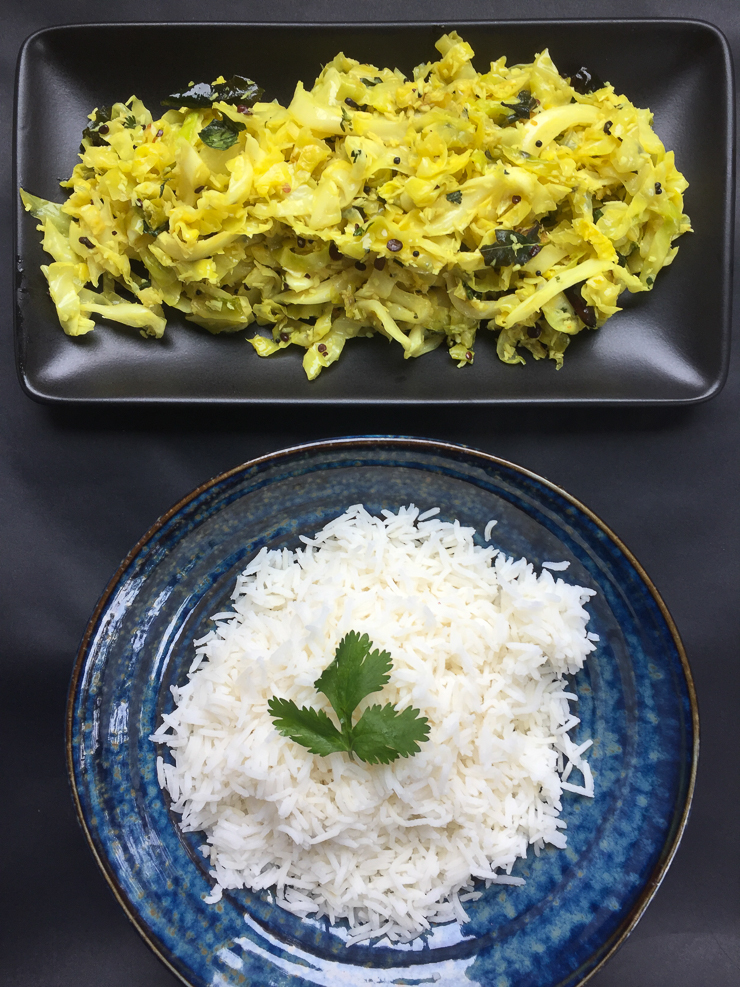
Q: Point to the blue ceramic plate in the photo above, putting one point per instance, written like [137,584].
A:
[636,701]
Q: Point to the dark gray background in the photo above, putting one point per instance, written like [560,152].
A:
[78,488]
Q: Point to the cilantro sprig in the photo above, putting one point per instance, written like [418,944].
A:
[381,734]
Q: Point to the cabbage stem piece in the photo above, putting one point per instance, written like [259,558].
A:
[553,287]
[547,125]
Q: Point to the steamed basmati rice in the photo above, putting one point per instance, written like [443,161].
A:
[480,645]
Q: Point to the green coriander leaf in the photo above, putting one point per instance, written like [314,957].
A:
[354,674]
[221,134]
[130,121]
[307,726]
[382,735]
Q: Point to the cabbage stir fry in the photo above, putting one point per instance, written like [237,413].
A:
[419,209]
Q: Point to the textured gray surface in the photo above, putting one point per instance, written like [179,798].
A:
[78,488]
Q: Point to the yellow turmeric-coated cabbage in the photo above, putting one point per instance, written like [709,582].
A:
[415,208]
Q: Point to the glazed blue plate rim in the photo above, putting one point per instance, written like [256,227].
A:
[365,444]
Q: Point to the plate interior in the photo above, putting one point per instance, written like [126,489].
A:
[667,346]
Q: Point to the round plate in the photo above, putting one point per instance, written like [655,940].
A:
[636,700]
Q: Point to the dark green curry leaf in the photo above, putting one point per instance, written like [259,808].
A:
[522,109]
[221,134]
[237,91]
[585,312]
[512,247]
[585,81]
[455,197]
[471,292]
[159,229]
[92,133]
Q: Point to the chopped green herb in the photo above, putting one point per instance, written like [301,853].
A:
[381,734]
[130,122]
[598,213]
[471,292]
[221,134]
[455,197]
[359,230]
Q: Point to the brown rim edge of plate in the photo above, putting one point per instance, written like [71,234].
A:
[434,446]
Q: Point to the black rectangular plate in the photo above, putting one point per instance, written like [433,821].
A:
[669,346]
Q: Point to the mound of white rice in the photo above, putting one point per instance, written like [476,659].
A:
[480,645]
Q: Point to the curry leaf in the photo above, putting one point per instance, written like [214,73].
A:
[512,247]
[522,109]
[156,231]
[237,91]
[92,132]
[221,134]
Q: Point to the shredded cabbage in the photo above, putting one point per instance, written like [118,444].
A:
[415,208]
